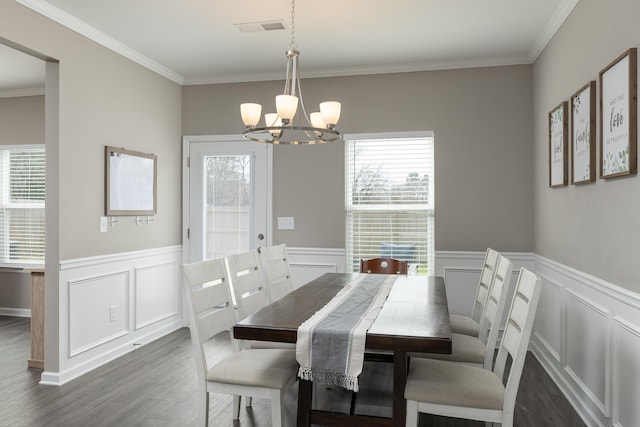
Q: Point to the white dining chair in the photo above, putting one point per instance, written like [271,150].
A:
[277,271]
[249,290]
[480,350]
[247,282]
[470,325]
[265,373]
[455,390]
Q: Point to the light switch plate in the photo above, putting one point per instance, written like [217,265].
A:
[103,224]
[285,223]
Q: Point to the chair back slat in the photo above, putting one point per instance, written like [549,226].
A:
[277,271]
[209,295]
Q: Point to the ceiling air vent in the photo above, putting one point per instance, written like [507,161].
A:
[256,27]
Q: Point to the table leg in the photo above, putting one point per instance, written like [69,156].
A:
[400,367]
[305,394]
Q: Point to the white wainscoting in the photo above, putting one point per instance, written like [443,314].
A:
[586,334]
[111,304]
[587,337]
[461,272]
[308,263]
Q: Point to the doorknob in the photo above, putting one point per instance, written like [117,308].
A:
[260,236]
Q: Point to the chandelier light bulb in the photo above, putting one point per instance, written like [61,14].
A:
[317,121]
[272,120]
[250,113]
[286,105]
[330,112]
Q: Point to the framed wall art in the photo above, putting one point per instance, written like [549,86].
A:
[618,116]
[583,134]
[558,145]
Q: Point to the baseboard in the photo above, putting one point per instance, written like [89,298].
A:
[15,312]
[60,378]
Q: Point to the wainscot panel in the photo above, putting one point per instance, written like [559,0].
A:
[626,375]
[461,272]
[98,311]
[587,337]
[157,297]
[308,263]
[109,305]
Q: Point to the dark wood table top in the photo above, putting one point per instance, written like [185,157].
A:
[415,316]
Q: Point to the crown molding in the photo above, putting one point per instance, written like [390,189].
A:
[369,70]
[558,18]
[48,10]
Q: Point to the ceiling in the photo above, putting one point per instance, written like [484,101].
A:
[198,41]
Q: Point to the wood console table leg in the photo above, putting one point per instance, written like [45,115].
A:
[37,320]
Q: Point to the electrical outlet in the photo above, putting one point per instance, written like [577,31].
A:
[112,314]
[285,223]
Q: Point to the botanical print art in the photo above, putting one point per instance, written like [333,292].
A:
[557,143]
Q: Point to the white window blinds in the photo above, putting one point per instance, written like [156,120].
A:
[390,200]
[22,196]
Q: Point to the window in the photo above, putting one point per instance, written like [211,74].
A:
[390,199]
[22,191]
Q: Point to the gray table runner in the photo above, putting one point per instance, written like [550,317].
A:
[330,345]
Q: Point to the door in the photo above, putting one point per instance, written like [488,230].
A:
[226,197]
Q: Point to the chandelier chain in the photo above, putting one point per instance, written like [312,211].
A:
[292,45]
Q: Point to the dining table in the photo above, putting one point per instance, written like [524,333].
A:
[413,318]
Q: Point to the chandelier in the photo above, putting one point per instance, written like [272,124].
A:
[285,126]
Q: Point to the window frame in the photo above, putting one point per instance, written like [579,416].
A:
[429,207]
[6,204]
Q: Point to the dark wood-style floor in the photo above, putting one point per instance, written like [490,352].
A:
[156,386]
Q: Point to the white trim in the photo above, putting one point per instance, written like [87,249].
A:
[562,327]
[186,154]
[619,323]
[605,314]
[71,264]
[569,392]
[619,293]
[21,93]
[63,18]
[60,378]
[561,14]
[114,341]
[339,252]
[15,312]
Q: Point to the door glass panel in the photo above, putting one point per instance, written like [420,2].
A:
[227,208]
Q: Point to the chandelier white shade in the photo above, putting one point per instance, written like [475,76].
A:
[291,124]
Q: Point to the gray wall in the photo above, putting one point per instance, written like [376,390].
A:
[105,99]
[482,121]
[96,97]
[595,227]
[21,122]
